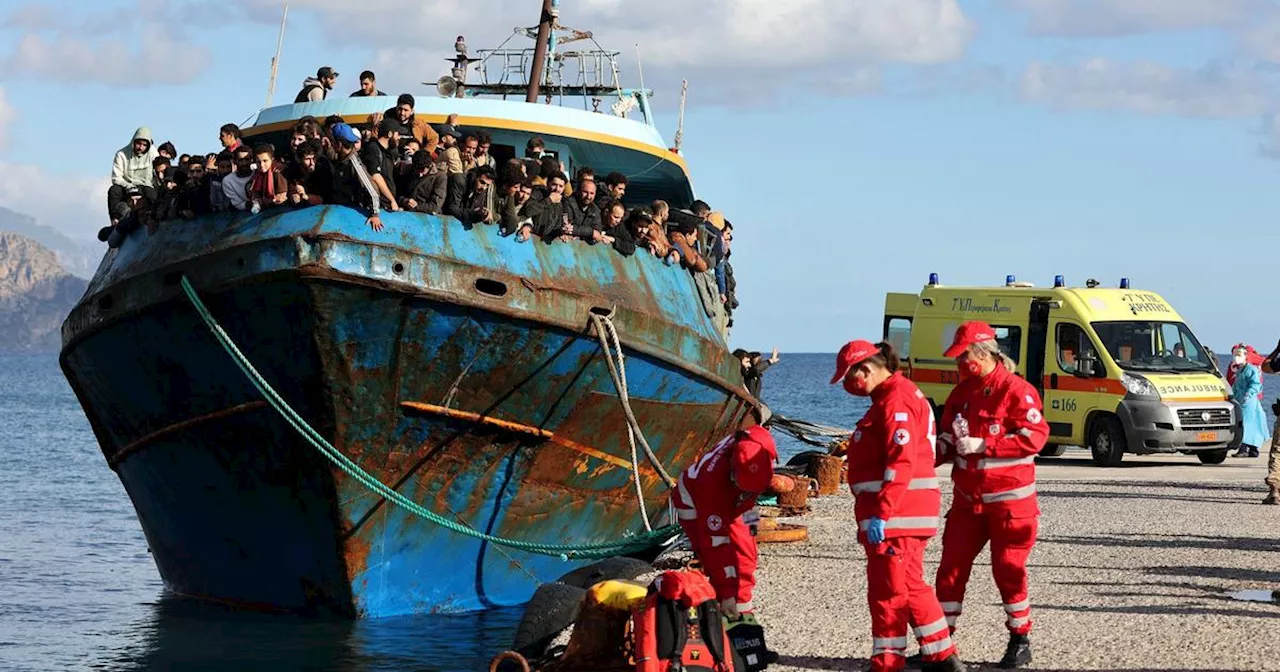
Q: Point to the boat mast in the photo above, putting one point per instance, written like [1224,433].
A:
[540,51]
[275,60]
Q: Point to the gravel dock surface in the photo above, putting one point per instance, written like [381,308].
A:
[1134,570]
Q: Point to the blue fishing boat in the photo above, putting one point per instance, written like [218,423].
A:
[310,416]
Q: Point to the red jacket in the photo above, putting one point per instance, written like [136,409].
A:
[1006,412]
[727,479]
[891,462]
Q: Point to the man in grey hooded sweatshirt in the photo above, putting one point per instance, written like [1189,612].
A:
[132,168]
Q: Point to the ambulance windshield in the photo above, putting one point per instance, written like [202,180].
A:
[1153,346]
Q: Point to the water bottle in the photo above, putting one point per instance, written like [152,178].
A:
[960,427]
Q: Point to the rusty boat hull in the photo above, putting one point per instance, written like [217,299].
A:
[453,364]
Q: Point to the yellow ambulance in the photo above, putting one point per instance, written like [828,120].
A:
[1118,368]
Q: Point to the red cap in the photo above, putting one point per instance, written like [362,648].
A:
[968,334]
[852,354]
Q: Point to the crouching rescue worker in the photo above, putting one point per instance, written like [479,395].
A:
[897,501]
[992,427]
[711,497]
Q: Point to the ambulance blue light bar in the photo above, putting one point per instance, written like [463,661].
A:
[1059,281]
[1124,283]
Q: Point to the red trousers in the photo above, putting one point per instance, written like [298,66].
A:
[727,552]
[898,597]
[1011,539]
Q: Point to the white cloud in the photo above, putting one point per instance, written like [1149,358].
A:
[74,205]
[8,115]
[1261,39]
[1103,18]
[724,47]
[136,46]
[1149,88]
[1269,144]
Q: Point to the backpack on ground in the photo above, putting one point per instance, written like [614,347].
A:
[679,627]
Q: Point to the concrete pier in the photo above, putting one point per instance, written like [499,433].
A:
[1134,570]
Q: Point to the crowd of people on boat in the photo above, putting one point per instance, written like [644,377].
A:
[396,161]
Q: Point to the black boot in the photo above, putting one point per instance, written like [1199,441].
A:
[951,664]
[1273,498]
[1017,654]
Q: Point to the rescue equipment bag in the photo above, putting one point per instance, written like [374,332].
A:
[747,638]
[679,627]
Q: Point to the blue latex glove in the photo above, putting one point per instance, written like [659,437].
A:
[875,531]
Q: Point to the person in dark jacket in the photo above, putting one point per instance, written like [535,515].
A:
[368,86]
[429,187]
[585,219]
[614,232]
[753,368]
[546,211]
[478,205]
[317,88]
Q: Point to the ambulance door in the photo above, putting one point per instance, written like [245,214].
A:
[1069,394]
[1037,341]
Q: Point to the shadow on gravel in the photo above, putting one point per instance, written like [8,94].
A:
[1243,498]
[823,663]
[1155,609]
[1233,573]
[1182,541]
[1236,486]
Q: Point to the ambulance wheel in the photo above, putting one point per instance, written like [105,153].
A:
[1212,456]
[1053,451]
[1106,441]
[553,607]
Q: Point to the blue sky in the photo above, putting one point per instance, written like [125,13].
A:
[857,145]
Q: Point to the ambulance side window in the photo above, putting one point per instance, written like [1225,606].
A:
[897,332]
[1073,345]
[1010,341]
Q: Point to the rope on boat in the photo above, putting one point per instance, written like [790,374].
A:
[628,544]
[618,373]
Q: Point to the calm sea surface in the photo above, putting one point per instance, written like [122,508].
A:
[78,589]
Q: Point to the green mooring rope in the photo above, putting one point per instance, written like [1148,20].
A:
[565,552]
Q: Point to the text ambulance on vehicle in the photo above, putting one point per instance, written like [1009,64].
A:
[1118,369]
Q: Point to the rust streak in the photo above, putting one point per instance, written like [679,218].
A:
[592,452]
[517,427]
[182,425]
[476,417]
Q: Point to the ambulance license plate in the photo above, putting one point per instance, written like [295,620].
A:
[1207,436]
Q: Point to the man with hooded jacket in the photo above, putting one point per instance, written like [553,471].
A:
[132,168]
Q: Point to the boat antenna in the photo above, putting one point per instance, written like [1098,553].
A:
[275,60]
[540,50]
[640,67]
[684,90]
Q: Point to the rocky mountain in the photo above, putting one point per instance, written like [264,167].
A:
[77,257]
[36,295]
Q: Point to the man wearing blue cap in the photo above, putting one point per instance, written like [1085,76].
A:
[351,184]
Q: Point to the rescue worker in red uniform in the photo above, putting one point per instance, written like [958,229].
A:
[891,472]
[710,498]
[992,428]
